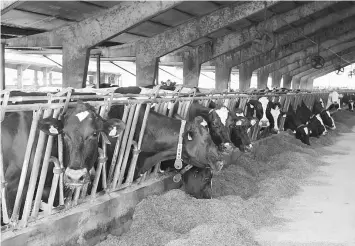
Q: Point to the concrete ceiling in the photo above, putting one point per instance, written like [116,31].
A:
[27,18]
[21,18]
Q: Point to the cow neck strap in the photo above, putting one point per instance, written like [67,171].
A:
[300,126]
[178,159]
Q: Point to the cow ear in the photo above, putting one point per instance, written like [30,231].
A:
[51,126]
[114,127]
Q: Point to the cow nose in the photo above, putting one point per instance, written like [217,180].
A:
[76,177]
[228,147]
[218,166]
[264,123]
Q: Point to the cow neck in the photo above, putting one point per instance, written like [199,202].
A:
[178,159]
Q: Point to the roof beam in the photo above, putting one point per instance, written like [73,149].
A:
[331,63]
[302,58]
[7,5]
[196,28]
[236,39]
[340,50]
[288,46]
[97,29]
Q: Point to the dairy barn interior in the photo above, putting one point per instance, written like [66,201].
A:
[177,123]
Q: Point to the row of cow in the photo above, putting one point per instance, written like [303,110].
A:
[200,141]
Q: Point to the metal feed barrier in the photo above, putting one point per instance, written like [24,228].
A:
[38,157]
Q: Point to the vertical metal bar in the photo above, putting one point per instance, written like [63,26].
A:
[56,171]
[61,175]
[117,147]
[44,170]
[98,173]
[140,139]
[34,175]
[2,67]
[98,71]
[104,183]
[3,206]
[124,145]
[31,138]
[128,149]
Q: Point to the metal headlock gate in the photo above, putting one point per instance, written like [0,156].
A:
[38,157]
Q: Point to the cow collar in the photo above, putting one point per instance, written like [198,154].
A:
[178,176]
[178,159]
[300,125]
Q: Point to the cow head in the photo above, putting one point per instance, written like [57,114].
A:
[254,107]
[302,133]
[327,119]
[316,126]
[198,182]
[198,147]
[239,133]
[219,121]
[273,113]
[264,121]
[80,127]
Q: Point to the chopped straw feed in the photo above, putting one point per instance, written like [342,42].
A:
[244,196]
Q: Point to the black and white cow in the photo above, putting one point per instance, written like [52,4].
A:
[348,99]
[294,123]
[267,112]
[313,122]
[327,119]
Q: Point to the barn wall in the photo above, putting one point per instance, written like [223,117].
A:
[90,223]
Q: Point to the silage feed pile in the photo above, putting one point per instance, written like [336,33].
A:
[244,196]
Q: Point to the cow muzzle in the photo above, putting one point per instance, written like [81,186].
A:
[218,166]
[227,148]
[248,148]
[76,177]
[264,123]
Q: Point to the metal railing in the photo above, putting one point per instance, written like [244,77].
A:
[38,160]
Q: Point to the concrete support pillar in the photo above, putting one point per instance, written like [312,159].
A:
[117,79]
[262,78]
[309,84]
[35,78]
[245,74]
[92,80]
[107,78]
[287,81]
[50,78]
[296,83]
[19,76]
[45,76]
[102,78]
[146,70]
[2,67]
[276,79]
[303,83]
[222,75]
[191,68]
[75,66]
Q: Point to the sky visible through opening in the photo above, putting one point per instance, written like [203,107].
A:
[206,80]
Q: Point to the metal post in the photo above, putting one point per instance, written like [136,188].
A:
[2,65]
[98,71]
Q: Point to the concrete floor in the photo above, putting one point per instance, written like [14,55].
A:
[324,212]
